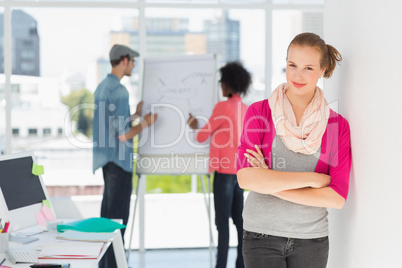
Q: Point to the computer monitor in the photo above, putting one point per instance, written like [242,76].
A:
[21,192]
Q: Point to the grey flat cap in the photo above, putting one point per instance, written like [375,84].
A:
[119,50]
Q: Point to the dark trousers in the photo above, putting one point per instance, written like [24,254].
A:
[267,251]
[228,200]
[115,203]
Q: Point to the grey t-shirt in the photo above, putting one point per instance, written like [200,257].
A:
[267,214]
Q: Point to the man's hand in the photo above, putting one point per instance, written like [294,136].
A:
[138,111]
[192,121]
[149,120]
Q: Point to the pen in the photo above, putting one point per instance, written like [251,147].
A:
[47,265]
[1,263]
[5,230]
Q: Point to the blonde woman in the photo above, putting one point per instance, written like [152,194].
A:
[295,158]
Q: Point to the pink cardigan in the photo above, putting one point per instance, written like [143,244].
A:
[224,128]
[335,157]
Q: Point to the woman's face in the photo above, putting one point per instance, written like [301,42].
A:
[303,70]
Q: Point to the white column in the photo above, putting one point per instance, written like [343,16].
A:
[7,72]
[366,232]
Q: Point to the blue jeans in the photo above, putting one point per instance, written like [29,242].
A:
[228,200]
[266,251]
[115,202]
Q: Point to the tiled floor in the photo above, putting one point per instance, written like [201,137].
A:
[178,258]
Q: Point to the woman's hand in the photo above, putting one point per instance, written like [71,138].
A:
[192,121]
[256,159]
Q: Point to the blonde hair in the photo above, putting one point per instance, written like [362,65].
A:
[329,55]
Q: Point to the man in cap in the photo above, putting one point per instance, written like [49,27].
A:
[112,137]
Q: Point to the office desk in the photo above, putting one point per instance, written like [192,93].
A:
[50,236]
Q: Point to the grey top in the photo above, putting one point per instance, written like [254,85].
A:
[267,214]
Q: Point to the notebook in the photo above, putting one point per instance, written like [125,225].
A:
[71,250]
[85,236]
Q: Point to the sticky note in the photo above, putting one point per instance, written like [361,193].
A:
[46,202]
[47,213]
[37,169]
[40,219]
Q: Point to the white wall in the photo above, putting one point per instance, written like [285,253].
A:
[367,231]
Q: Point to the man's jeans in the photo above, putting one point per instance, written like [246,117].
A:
[115,203]
[228,200]
[267,251]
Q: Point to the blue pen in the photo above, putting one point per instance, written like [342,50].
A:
[1,263]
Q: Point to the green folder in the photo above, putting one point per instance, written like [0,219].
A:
[93,225]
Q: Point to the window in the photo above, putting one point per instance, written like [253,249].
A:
[27,67]
[15,131]
[3,120]
[230,34]
[27,54]
[47,132]
[32,131]
[41,73]
[15,88]
[27,42]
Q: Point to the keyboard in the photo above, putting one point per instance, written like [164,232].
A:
[22,256]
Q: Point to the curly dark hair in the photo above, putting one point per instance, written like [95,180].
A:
[236,77]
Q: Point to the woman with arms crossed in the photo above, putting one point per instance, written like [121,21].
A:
[295,158]
[224,130]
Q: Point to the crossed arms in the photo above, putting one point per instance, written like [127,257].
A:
[305,188]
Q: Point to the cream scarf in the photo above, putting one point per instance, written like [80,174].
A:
[305,138]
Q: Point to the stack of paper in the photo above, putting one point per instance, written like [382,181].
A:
[84,236]
[71,250]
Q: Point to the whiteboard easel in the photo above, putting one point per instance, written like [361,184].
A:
[173,87]
[140,200]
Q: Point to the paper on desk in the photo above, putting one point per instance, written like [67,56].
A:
[71,250]
[85,236]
